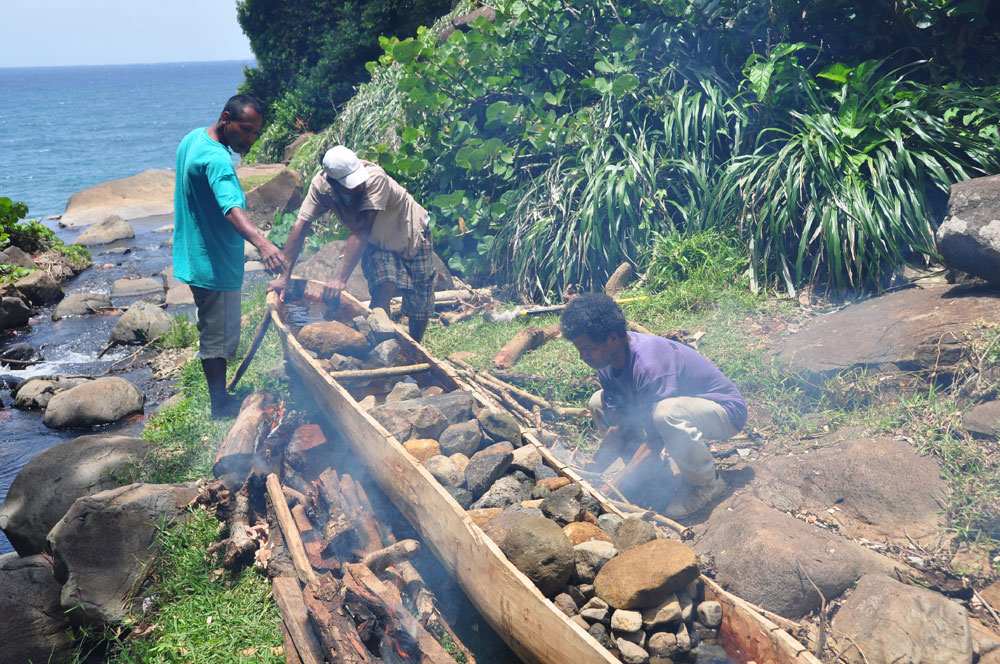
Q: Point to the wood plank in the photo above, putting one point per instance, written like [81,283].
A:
[288,596]
[292,539]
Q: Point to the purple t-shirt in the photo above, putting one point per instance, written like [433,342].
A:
[659,368]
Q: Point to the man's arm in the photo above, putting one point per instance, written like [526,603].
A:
[272,257]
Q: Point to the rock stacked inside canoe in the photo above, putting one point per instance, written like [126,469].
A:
[634,590]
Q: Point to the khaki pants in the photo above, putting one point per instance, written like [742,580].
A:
[683,425]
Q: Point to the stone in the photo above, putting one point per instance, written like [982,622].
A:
[538,548]
[14,312]
[328,337]
[380,326]
[684,640]
[704,634]
[687,605]
[307,449]
[527,458]
[110,230]
[410,419]
[544,487]
[81,304]
[33,626]
[565,604]
[463,438]
[579,532]
[296,145]
[886,332]
[16,256]
[433,391]
[141,323]
[893,622]
[596,614]
[326,262]
[484,469]
[148,288]
[35,393]
[626,621]
[638,638]
[147,194]
[880,486]
[179,295]
[20,352]
[500,526]
[590,557]
[368,402]
[969,237]
[600,634]
[634,531]
[403,391]
[586,591]
[609,523]
[580,622]
[98,579]
[500,426]
[100,401]
[444,471]
[563,505]
[645,575]
[543,472]
[504,492]
[338,362]
[456,406]
[39,289]
[280,193]
[461,496]
[710,614]
[663,644]
[360,324]
[760,555]
[483,516]
[983,420]
[422,449]
[665,613]
[387,354]
[461,463]
[631,653]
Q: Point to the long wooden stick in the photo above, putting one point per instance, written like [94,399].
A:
[254,345]
[682,530]
[288,597]
[292,539]
[381,372]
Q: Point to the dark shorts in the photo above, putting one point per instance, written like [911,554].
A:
[414,277]
[218,322]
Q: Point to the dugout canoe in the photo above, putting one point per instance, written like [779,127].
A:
[528,622]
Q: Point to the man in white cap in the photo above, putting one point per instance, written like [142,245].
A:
[389,234]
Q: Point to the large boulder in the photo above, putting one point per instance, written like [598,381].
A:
[179,295]
[33,626]
[110,230]
[48,484]
[538,547]
[101,401]
[147,194]
[105,543]
[16,256]
[81,304]
[328,337]
[983,420]
[646,575]
[141,323]
[887,621]
[14,312]
[35,393]
[281,193]
[764,556]
[907,330]
[294,146]
[148,288]
[873,487]
[969,237]
[39,289]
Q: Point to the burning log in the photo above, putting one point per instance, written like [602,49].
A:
[524,341]
[393,554]
[337,632]
[300,640]
[235,455]
[242,544]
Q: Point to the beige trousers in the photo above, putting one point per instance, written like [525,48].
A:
[683,425]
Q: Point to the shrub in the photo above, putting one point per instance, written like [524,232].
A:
[11,273]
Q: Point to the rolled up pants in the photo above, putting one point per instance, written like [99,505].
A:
[683,424]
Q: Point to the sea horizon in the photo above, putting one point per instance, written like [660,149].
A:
[132,64]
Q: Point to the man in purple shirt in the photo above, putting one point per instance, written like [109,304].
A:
[654,391]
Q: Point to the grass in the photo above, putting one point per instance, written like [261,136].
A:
[248,182]
[182,333]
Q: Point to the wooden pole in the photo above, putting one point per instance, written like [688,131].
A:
[381,372]
[295,617]
[292,539]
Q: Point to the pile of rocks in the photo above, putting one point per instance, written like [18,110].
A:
[368,343]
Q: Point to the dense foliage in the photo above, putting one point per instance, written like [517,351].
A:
[33,236]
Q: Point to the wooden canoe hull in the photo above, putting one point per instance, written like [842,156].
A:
[530,624]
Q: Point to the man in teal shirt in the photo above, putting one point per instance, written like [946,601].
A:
[210,225]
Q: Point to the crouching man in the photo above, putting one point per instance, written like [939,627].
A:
[655,392]
[388,235]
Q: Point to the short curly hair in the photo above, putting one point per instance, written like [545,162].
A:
[594,315]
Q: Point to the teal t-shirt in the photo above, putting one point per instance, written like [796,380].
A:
[208,252]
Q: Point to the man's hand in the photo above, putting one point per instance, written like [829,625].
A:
[273,258]
[278,286]
[332,290]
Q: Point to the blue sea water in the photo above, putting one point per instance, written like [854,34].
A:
[63,129]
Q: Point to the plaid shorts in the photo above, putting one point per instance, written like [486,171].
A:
[414,277]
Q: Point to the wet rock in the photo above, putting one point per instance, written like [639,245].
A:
[626,621]
[544,487]
[35,393]
[538,548]
[687,605]
[634,531]
[527,458]
[328,337]
[563,505]
[463,438]
[665,613]
[893,622]
[461,496]
[565,604]
[645,575]
[110,230]
[704,634]
[39,289]
[600,634]
[380,326]
[444,471]
[485,468]
[664,644]
[609,523]
[402,391]
[461,463]
[101,401]
[16,256]
[340,362]
[710,614]
[20,352]
[387,354]
[410,419]
[590,557]
[983,420]
[150,289]
[506,491]
[579,532]
[14,312]
[81,304]
[684,640]
[179,295]
[969,236]
[99,579]
[33,626]
[141,323]
[760,554]
[631,653]
[422,448]
[500,426]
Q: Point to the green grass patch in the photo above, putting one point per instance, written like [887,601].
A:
[248,182]
[11,273]
[182,333]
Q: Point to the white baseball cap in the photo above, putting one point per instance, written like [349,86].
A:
[341,164]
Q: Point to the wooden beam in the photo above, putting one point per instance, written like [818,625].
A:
[381,372]
[292,539]
[288,596]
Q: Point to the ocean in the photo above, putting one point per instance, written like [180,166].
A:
[63,129]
